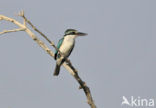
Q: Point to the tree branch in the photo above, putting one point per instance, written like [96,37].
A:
[67,64]
[14,30]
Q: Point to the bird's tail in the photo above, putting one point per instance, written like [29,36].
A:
[57,70]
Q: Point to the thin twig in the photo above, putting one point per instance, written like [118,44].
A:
[14,30]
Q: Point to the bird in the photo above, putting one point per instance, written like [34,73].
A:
[65,46]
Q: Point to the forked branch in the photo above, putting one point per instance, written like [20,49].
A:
[67,64]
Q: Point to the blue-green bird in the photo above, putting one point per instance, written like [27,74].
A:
[65,46]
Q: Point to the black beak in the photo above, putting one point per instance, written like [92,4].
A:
[81,34]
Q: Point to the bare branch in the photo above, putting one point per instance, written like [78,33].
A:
[67,64]
[14,30]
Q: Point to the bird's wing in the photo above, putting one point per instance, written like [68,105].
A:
[58,46]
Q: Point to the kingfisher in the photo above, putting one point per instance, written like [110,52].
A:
[65,46]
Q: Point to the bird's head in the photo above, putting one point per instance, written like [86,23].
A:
[74,33]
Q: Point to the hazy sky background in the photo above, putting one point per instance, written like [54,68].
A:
[117,58]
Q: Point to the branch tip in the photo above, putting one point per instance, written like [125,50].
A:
[21,13]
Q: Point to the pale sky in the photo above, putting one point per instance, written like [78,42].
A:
[116,59]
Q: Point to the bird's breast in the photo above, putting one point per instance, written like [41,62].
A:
[67,46]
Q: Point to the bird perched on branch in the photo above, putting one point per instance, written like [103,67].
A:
[65,46]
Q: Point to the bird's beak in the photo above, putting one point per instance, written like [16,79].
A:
[81,34]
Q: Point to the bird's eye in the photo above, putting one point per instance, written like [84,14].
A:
[73,32]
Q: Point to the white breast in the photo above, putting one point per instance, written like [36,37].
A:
[67,44]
